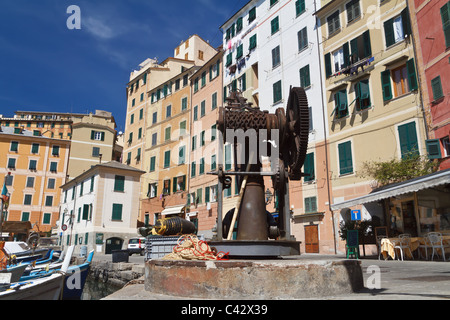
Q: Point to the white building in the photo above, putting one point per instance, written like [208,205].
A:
[271,46]
[99,208]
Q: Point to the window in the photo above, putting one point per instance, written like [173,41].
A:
[182,128]
[338,60]
[142,97]
[116,212]
[201,170]
[167,159]
[199,197]
[239,24]
[53,166]
[194,143]
[47,218]
[203,79]
[179,184]
[252,42]
[213,162]
[133,102]
[275,25]
[239,51]
[184,102]
[409,146]
[345,158]
[35,148]
[27,199]
[168,111]
[141,114]
[55,151]
[195,113]
[277,96]
[85,212]
[81,188]
[334,24]
[32,165]
[202,138]
[436,86]
[25,216]
[362,93]
[195,85]
[310,205]
[340,104]
[92,184]
[119,183]
[353,10]
[404,80]
[152,190]
[433,148]
[397,28]
[182,155]
[95,152]
[272,2]
[445,16]
[213,132]
[252,14]
[154,139]
[193,167]
[242,83]
[228,161]
[229,61]
[48,201]
[11,163]
[14,146]
[166,187]
[140,133]
[446,144]
[96,135]
[30,182]
[360,47]
[152,164]
[202,108]
[167,133]
[302,36]
[300,7]
[308,167]
[304,77]
[214,101]
[200,54]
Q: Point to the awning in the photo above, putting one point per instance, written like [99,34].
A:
[396,189]
[173,210]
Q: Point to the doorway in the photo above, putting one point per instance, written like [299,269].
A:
[113,244]
[312,239]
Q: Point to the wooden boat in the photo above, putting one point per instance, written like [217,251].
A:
[46,288]
[75,277]
[16,271]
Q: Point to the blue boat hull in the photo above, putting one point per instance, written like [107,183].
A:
[75,281]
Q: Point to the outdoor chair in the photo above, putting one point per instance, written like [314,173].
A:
[379,238]
[405,243]
[435,240]
[425,246]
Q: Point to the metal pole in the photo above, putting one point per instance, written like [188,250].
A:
[219,205]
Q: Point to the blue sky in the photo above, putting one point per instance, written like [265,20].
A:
[44,66]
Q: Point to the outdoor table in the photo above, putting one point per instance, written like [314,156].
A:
[388,244]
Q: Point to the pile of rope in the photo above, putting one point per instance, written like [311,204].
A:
[189,247]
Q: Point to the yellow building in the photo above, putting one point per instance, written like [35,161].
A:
[34,168]
[372,101]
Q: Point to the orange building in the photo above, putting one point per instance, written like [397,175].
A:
[34,167]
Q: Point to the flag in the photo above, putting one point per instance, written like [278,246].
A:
[5,197]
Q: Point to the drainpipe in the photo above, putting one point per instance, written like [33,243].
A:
[325,136]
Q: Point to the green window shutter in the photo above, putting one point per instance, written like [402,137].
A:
[354,50]
[310,205]
[199,195]
[305,77]
[207,197]
[346,50]
[174,184]
[193,167]
[47,218]
[345,158]
[85,212]
[389,32]
[328,70]
[252,15]
[253,43]
[412,77]
[25,216]
[445,16]
[152,164]
[229,60]
[240,51]
[119,183]
[309,167]
[277,96]
[274,25]
[299,7]
[213,162]
[406,22]
[437,88]
[53,166]
[409,146]
[35,148]
[167,159]
[116,212]
[386,85]
[367,45]
[181,155]
[48,201]
[433,149]
[92,184]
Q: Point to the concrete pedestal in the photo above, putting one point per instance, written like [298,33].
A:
[251,279]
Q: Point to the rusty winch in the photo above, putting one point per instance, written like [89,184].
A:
[254,135]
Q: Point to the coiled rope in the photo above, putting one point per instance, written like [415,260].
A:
[189,247]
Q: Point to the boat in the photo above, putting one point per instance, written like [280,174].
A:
[23,252]
[75,277]
[45,288]
[16,271]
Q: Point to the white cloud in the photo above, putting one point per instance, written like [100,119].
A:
[98,28]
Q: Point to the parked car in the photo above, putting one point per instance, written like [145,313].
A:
[136,245]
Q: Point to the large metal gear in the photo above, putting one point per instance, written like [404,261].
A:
[295,144]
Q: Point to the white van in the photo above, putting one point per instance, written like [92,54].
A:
[136,245]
